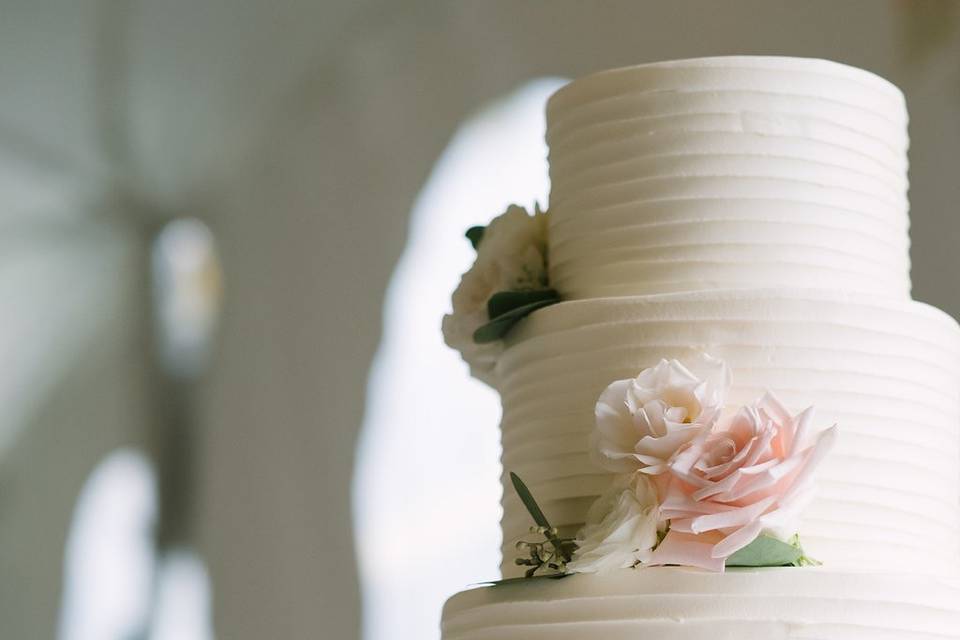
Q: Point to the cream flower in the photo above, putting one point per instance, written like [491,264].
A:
[728,486]
[640,423]
[512,256]
[621,528]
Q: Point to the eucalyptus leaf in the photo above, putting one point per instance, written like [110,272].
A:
[766,551]
[503,302]
[529,502]
[501,325]
[475,235]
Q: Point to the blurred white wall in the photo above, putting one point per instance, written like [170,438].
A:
[302,133]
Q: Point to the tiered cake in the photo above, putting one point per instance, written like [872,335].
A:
[753,208]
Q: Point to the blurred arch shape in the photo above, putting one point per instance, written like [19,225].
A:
[426,488]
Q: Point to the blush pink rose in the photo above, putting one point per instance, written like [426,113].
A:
[727,486]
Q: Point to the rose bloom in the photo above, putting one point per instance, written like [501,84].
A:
[728,486]
[511,256]
[641,422]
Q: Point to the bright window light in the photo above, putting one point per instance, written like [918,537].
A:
[109,559]
[427,490]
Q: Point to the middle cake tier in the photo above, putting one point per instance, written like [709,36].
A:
[884,370]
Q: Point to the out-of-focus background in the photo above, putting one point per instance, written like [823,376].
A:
[228,231]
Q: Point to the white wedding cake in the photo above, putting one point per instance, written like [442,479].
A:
[747,214]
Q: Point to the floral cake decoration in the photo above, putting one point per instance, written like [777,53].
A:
[692,485]
[507,282]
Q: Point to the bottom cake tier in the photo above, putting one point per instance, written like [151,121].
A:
[672,603]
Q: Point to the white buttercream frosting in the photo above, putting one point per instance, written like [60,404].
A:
[728,172]
[668,603]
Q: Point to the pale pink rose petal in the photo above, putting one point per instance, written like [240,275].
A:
[737,540]
[814,456]
[802,435]
[721,470]
[774,408]
[677,505]
[692,479]
[687,550]
[732,518]
[764,480]
[758,468]
[715,488]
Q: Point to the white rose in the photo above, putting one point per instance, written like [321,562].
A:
[641,423]
[621,528]
[512,256]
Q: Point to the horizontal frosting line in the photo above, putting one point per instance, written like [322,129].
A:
[696,273]
[692,100]
[544,443]
[559,106]
[660,201]
[595,134]
[629,107]
[946,412]
[656,221]
[560,469]
[678,275]
[672,269]
[633,115]
[634,190]
[942,398]
[547,443]
[946,503]
[885,519]
[656,208]
[741,247]
[599,151]
[543,436]
[594,175]
[744,225]
[764,335]
[846,396]
[639,190]
[881,540]
[718,144]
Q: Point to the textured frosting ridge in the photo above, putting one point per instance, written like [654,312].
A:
[683,604]
[728,173]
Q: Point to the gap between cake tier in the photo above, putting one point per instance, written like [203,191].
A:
[886,370]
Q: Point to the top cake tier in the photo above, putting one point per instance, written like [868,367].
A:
[731,172]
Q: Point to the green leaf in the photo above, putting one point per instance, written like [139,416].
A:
[504,302]
[528,501]
[542,576]
[766,551]
[475,235]
[501,325]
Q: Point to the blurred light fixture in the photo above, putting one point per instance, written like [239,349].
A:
[187,288]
